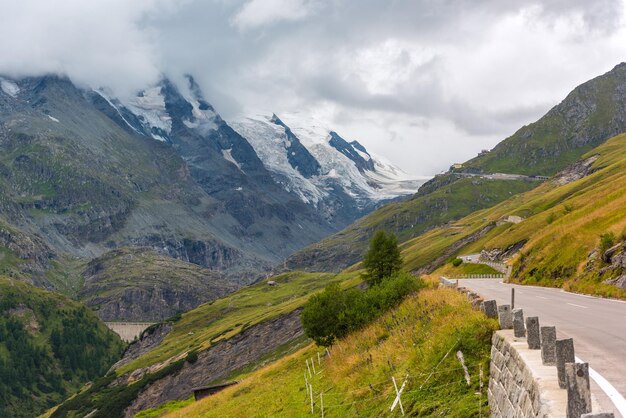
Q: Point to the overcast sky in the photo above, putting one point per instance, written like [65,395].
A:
[424,83]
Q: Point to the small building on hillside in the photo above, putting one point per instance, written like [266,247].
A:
[201,393]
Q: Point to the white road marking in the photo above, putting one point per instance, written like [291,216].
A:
[542,297]
[613,394]
[578,306]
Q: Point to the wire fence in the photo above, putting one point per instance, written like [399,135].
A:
[393,390]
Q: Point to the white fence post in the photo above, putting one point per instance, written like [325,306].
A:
[398,393]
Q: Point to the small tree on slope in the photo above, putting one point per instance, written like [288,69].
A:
[382,259]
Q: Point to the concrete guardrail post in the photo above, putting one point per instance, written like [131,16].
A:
[564,354]
[505,317]
[532,330]
[578,391]
[548,345]
[518,323]
[490,307]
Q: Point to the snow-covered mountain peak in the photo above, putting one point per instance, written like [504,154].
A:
[304,156]
[152,110]
[345,168]
[9,87]
[204,115]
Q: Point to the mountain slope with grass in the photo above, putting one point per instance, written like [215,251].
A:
[417,341]
[592,113]
[569,232]
[204,346]
[49,347]
[572,231]
[407,219]
[588,116]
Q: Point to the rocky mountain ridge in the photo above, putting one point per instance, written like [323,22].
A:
[83,173]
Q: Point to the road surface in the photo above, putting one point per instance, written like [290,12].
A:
[598,327]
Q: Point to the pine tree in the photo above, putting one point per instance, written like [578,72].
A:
[382,259]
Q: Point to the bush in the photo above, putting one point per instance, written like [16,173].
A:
[334,313]
[607,240]
[457,262]
[382,259]
[192,357]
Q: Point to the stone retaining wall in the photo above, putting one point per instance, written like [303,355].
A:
[519,384]
[532,373]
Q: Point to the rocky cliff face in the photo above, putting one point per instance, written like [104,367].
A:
[218,361]
[138,284]
[83,172]
[609,266]
[24,255]
[298,156]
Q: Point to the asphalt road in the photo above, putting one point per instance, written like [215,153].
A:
[598,327]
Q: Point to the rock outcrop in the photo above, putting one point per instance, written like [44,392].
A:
[139,284]
[149,339]
[219,360]
[615,257]
[574,172]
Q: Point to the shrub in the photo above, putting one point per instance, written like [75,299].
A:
[568,208]
[192,357]
[607,240]
[457,262]
[334,313]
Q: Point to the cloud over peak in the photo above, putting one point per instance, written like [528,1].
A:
[260,13]
[438,80]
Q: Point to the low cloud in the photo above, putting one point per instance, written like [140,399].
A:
[259,13]
[437,80]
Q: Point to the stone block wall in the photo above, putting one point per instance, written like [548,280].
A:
[519,384]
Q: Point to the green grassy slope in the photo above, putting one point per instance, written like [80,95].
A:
[561,227]
[411,340]
[223,318]
[201,328]
[407,219]
[49,347]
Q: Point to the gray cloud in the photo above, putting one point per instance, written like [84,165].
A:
[441,79]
